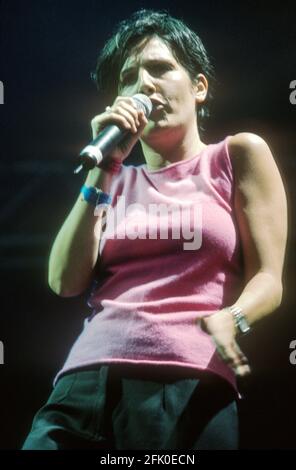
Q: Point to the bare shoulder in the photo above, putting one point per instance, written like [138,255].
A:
[246,147]
[243,139]
[254,165]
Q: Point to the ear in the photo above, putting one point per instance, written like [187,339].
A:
[200,88]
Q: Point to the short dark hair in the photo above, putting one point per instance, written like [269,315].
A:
[184,43]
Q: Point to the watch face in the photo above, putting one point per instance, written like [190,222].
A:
[242,323]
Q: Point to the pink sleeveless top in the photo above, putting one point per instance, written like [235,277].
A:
[170,254]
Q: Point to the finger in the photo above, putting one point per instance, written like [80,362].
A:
[131,106]
[131,109]
[228,355]
[115,118]
[134,116]
[142,117]
[134,137]
[143,123]
[239,368]
[125,99]
[129,117]
[239,353]
[128,103]
[98,123]
[242,371]
[232,355]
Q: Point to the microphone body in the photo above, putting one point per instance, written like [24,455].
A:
[109,138]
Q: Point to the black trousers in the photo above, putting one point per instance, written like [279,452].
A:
[117,407]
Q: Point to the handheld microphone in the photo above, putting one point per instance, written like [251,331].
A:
[109,137]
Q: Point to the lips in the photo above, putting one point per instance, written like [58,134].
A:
[158,108]
[156,103]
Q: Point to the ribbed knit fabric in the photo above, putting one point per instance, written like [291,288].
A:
[170,254]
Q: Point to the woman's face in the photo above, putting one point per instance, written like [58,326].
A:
[153,70]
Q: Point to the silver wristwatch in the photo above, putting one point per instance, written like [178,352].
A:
[240,320]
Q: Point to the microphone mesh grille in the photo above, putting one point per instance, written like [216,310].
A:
[143,102]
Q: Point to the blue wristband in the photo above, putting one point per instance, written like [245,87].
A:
[103,198]
[95,196]
[90,194]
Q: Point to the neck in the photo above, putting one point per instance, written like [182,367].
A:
[172,148]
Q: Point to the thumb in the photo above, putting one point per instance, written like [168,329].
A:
[131,139]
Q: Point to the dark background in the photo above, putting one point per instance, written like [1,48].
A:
[48,49]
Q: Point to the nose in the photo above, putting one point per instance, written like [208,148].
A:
[145,83]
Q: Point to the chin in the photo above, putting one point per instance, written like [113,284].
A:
[155,127]
[160,122]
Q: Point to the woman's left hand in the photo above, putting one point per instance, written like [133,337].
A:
[222,329]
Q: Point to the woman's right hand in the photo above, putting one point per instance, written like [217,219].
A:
[125,114]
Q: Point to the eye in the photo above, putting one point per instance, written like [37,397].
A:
[127,79]
[159,68]
[155,69]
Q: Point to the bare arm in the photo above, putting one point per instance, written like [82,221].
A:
[261,213]
[76,248]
